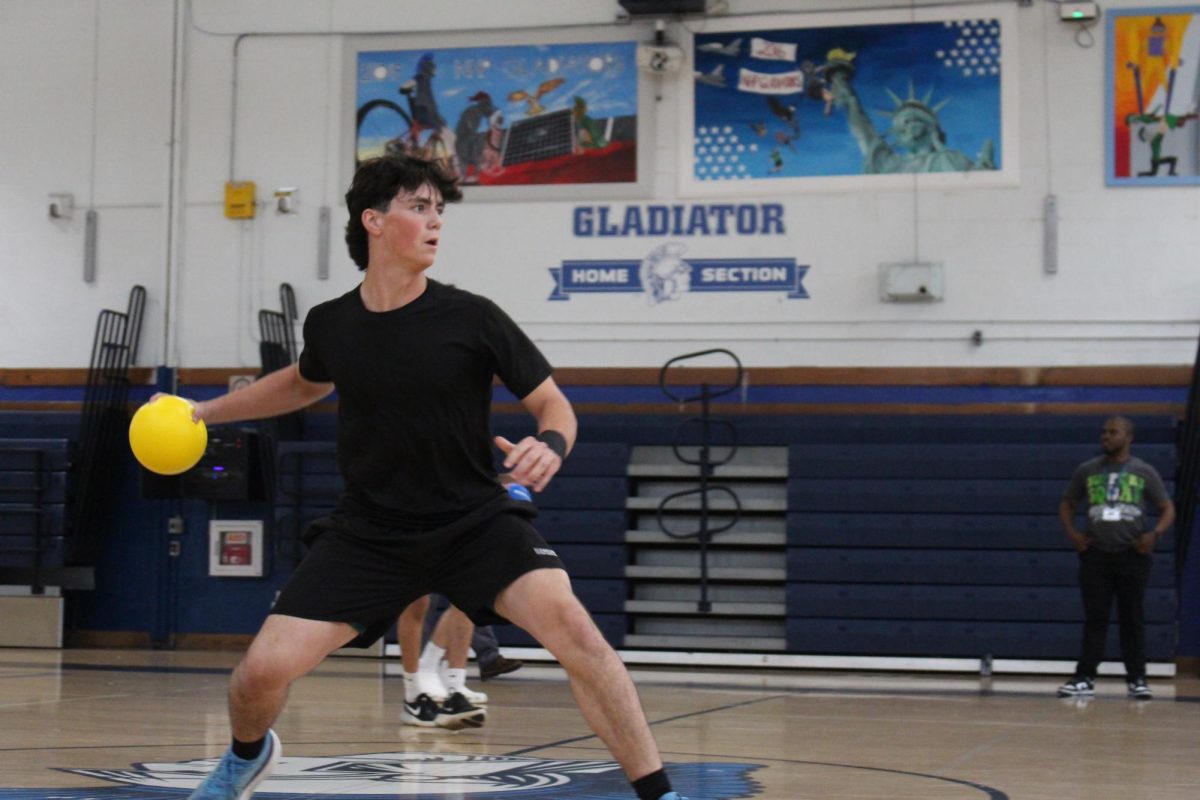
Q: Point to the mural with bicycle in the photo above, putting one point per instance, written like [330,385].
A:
[510,115]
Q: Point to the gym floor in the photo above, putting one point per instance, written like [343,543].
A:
[77,724]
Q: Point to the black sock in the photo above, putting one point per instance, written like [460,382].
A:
[248,751]
[652,786]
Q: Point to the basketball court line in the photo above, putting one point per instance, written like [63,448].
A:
[793,684]
[652,723]
[991,792]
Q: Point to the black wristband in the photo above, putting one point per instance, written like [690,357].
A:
[555,441]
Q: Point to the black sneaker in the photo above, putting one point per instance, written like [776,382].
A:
[422,712]
[1138,689]
[457,712]
[499,666]
[1077,687]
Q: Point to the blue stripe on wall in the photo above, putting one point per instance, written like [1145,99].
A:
[947,395]
[953,395]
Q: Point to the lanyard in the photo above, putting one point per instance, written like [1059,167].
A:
[1114,485]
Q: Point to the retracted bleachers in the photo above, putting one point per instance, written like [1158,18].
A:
[921,536]
[35,454]
[307,484]
[581,515]
[939,537]
[33,485]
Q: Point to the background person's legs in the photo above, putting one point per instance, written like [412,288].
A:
[1097,589]
[446,652]
[408,632]
[487,652]
[437,606]
[428,701]
[450,641]
[483,642]
[1131,579]
[449,635]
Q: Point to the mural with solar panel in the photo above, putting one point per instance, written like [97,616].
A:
[512,115]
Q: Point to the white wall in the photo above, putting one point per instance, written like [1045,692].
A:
[86,88]
[91,94]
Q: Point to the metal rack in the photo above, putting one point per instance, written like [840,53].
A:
[103,426]
[704,462]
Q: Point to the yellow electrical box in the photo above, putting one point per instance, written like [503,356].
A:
[239,199]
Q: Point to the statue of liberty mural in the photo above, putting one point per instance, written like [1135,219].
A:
[919,141]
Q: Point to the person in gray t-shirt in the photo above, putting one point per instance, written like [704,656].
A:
[1114,552]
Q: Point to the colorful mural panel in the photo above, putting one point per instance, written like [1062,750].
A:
[506,115]
[1153,96]
[856,98]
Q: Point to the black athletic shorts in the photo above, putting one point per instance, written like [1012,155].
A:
[364,574]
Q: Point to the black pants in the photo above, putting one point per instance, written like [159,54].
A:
[1102,577]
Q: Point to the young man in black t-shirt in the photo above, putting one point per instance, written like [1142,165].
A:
[413,362]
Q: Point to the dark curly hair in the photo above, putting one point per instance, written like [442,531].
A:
[377,181]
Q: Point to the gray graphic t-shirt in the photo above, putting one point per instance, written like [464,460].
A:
[1116,495]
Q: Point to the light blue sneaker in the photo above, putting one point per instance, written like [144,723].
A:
[672,796]
[235,778]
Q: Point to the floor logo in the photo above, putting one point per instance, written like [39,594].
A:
[415,776]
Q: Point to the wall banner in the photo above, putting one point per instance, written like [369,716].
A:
[664,275]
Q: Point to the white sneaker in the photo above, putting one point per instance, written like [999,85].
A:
[473,697]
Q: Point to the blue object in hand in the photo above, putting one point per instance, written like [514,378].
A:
[518,492]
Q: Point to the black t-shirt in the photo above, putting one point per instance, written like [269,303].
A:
[414,399]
